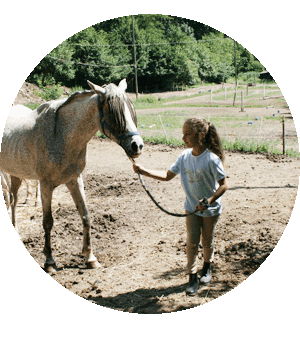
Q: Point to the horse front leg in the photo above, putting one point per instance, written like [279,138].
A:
[76,189]
[46,195]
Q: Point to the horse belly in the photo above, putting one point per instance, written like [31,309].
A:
[17,156]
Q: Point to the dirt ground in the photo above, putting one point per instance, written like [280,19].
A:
[141,249]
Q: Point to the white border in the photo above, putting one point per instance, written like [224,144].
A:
[40,319]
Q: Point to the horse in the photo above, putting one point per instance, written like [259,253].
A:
[50,145]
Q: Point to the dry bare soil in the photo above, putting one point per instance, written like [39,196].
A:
[141,249]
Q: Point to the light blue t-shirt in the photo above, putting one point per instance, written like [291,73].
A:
[199,178]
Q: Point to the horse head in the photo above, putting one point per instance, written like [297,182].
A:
[118,118]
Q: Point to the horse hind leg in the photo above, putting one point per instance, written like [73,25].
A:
[32,197]
[46,195]
[15,186]
[76,189]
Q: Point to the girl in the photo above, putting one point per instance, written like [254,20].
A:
[204,181]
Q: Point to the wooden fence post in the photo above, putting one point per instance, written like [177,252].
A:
[234,97]
[283,135]
[242,102]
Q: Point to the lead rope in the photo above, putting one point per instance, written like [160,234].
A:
[205,203]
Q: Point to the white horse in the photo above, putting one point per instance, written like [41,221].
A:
[49,145]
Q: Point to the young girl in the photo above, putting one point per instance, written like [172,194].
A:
[204,181]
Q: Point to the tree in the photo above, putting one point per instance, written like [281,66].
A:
[56,67]
[216,58]
[97,59]
[246,62]
[169,50]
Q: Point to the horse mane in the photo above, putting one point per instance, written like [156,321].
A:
[75,95]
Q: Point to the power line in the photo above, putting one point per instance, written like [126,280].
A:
[123,45]
[154,44]
[84,64]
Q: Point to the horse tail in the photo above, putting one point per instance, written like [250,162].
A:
[6,189]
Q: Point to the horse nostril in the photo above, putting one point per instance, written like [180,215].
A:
[134,147]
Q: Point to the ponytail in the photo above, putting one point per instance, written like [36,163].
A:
[213,142]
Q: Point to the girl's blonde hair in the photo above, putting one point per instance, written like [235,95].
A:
[212,139]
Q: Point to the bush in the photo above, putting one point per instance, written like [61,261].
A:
[52,92]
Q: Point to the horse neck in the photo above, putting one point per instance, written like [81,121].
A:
[80,119]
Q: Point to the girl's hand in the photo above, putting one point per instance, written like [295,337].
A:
[138,168]
[201,206]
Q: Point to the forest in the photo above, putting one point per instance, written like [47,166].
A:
[167,52]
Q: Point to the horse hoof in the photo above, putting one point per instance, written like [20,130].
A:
[50,268]
[93,265]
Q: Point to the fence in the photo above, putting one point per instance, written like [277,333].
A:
[268,135]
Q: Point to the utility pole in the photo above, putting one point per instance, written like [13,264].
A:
[135,67]
[235,73]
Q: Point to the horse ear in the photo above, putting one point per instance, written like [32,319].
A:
[98,89]
[123,85]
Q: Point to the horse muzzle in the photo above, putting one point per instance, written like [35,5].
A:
[133,146]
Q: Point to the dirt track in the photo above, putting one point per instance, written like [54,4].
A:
[141,249]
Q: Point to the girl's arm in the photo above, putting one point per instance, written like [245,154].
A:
[220,191]
[154,174]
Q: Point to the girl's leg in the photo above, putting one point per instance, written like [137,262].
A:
[208,229]
[193,227]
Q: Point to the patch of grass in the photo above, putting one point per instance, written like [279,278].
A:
[145,101]
[76,88]
[253,146]
[150,101]
[161,139]
[32,106]
[175,122]
[293,153]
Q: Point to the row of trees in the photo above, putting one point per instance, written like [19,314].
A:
[169,51]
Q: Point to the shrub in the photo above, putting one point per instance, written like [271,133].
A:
[50,92]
